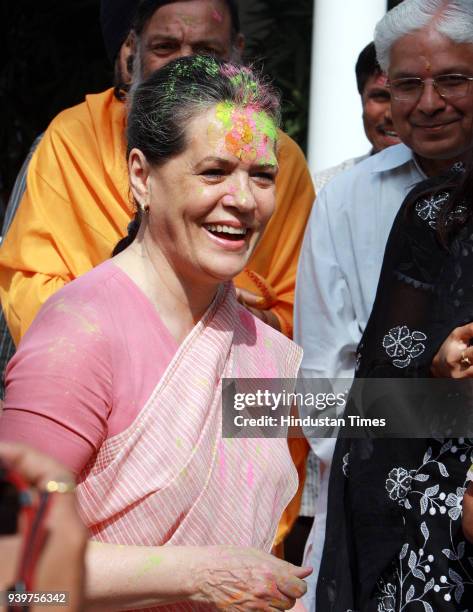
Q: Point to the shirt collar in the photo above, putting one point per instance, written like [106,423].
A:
[392,157]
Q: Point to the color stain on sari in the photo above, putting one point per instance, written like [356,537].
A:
[250,477]
[222,462]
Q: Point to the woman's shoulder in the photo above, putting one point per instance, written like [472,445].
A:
[83,304]
[94,286]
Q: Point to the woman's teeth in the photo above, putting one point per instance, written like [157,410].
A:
[225,229]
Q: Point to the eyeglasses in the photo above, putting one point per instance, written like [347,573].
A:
[447,86]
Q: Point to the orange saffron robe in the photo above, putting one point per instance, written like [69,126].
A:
[77,206]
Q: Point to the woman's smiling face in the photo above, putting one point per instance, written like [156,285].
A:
[209,205]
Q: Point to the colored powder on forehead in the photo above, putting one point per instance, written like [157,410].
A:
[188,20]
[382,80]
[266,125]
[224,112]
[217,16]
[249,133]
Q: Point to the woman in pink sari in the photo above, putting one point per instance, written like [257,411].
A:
[119,377]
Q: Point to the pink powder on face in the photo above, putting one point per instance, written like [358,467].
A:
[382,80]
[217,16]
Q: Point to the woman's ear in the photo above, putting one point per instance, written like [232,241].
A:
[139,175]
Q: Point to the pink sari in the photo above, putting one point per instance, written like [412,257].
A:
[170,478]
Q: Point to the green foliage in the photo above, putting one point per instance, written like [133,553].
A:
[281,40]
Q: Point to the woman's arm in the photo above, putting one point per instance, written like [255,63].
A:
[230,577]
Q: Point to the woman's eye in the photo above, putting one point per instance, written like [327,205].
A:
[265,176]
[213,172]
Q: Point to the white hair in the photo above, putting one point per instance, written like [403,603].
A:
[451,18]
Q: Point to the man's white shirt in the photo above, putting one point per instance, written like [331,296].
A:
[324,177]
[337,278]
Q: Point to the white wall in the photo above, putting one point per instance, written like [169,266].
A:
[341,29]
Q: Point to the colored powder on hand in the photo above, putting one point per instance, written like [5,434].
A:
[151,563]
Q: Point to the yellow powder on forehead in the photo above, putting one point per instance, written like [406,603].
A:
[248,133]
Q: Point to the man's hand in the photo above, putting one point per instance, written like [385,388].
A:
[253,303]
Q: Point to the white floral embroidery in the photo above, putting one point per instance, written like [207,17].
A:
[398,483]
[403,345]
[416,579]
[458,167]
[387,598]
[429,208]
[346,465]
[454,502]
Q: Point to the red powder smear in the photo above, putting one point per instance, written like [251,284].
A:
[217,16]
[382,80]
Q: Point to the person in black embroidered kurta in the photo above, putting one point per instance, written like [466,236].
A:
[394,540]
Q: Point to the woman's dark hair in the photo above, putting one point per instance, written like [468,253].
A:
[162,106]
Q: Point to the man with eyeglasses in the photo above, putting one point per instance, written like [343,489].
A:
[426,49]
